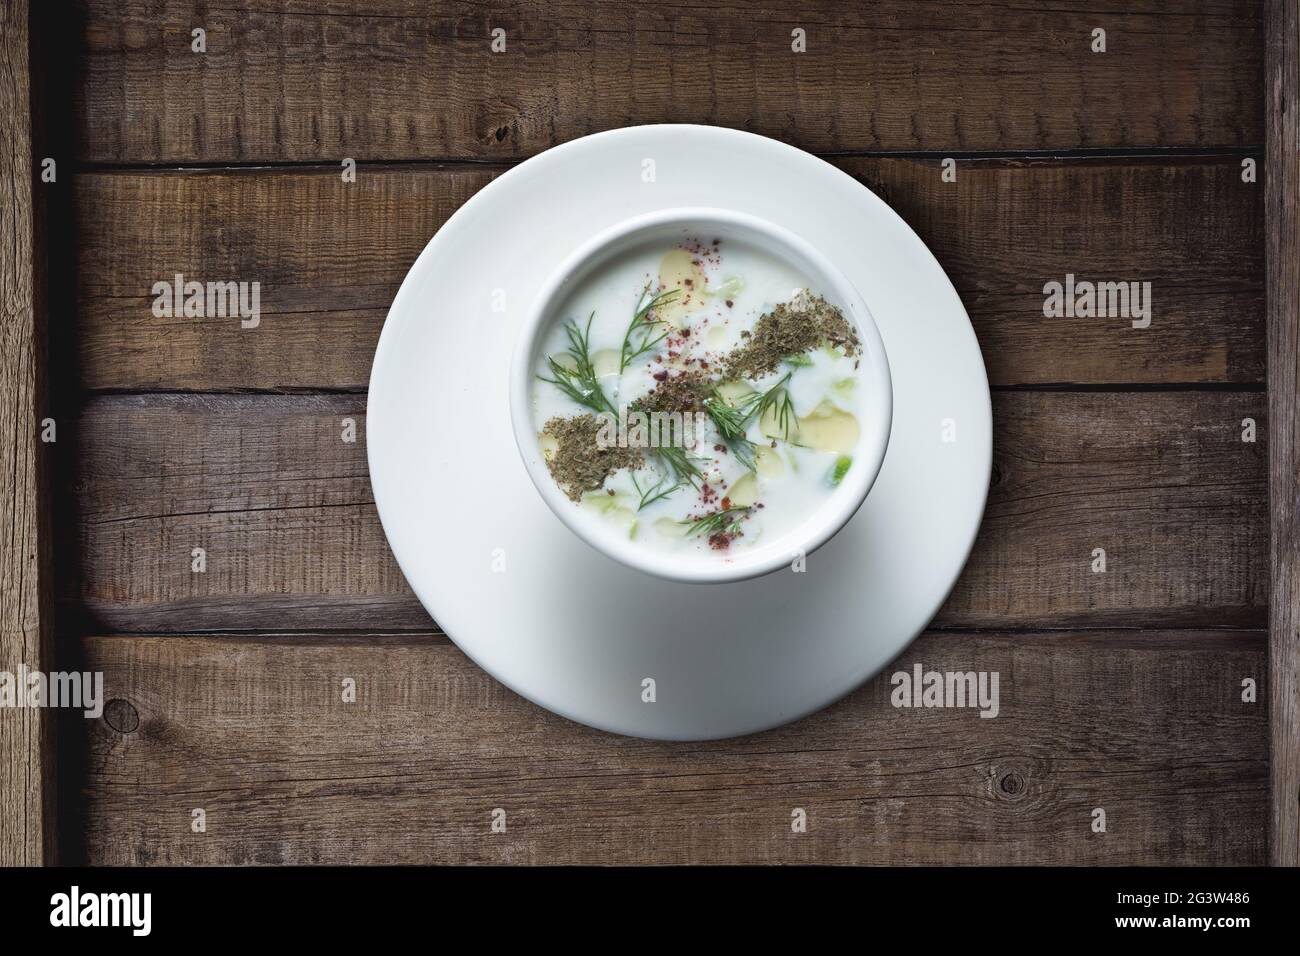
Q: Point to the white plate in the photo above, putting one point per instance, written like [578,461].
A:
[567,627]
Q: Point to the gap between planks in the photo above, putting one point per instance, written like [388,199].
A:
[1068,156]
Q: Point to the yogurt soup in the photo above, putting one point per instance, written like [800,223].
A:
[698,397]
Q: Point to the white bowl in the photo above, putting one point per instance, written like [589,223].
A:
[672,226]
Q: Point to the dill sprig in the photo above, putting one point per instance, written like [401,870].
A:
[675,458]
[660,490]
[726,521]
[679,463]
[745,452]
[778,397]
[732,421]
[641,323]
[580,382]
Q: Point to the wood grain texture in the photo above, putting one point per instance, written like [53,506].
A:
[27,827]
[1283,252]
[1161,480]
[1148,726]
[1147,723]
[331,255]
[316,79]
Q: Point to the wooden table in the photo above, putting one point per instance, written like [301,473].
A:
[1121,690]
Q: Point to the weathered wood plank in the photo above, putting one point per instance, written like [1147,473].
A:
[1162,481]
[330,256]
[1148,726]
[27,830]
[320,80]
[1283,252]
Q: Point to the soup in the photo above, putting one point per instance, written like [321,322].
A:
[698,397]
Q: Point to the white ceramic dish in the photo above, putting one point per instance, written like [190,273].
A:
[565,626]
[667,227]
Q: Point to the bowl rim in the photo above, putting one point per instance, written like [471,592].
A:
[820,526]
